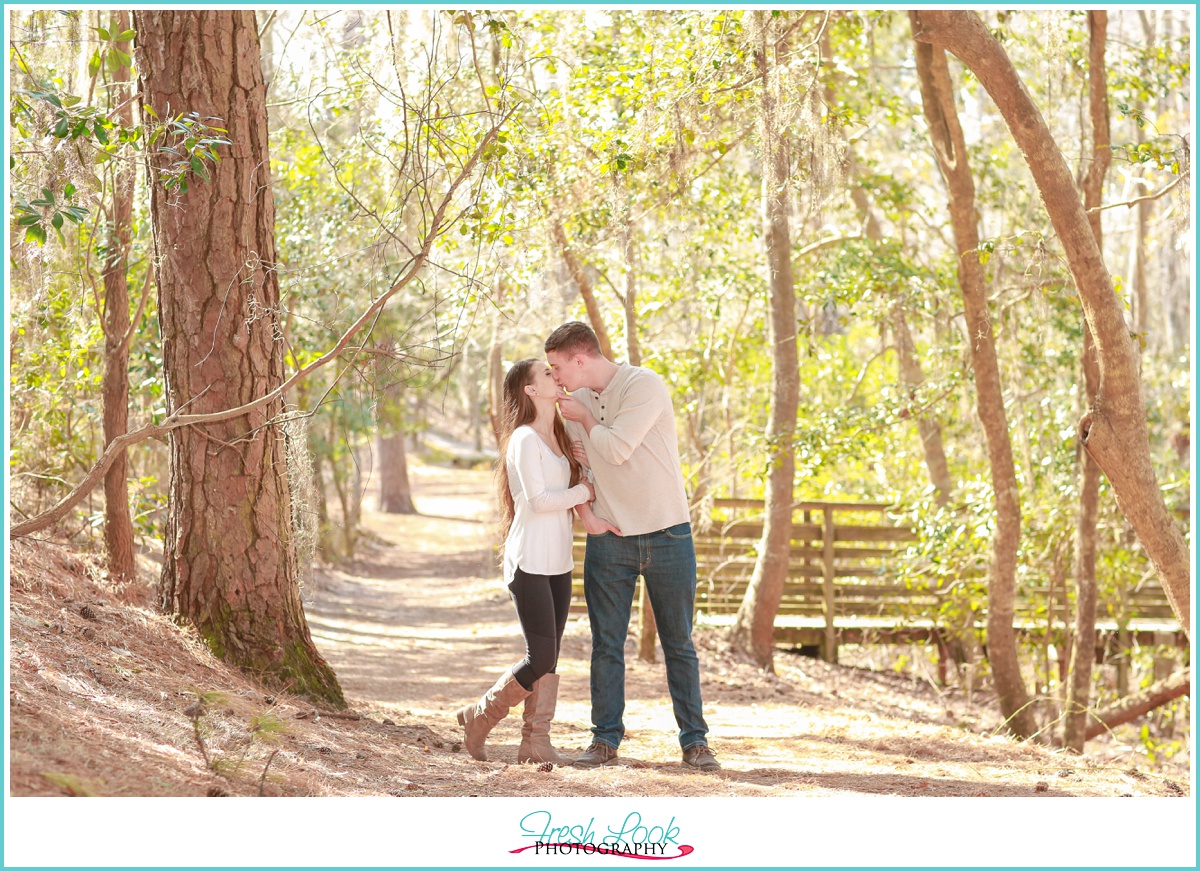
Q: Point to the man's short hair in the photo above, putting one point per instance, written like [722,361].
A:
[574,337]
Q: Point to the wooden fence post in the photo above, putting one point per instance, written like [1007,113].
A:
[830,652]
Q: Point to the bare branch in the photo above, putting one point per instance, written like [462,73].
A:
[826,243]
[177,419]
[862,375]
[1131,203]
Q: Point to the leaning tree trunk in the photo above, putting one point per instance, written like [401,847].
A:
[754,627]
[1083,651]
[949,146]
[118,527]
[229,562]
[928,428]
[575,267]
[911,375]
[1114,430]
[1129,708]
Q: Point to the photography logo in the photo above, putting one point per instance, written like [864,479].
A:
[632,839]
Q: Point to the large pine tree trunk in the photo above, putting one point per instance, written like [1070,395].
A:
[949,145]
[229,563]
[1083,651]
[118,527]
[1114,430]
[754,626]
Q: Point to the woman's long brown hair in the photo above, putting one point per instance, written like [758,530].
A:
[518,410]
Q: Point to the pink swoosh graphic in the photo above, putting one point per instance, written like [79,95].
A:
[684,850]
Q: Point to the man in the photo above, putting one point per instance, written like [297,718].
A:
[622,415]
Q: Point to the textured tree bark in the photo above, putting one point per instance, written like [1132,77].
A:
[181,417]
[395,491]
[229,562]
[118,527]
[1114,430]
[754,626]
[585,287]
[1083,650]
[949,145]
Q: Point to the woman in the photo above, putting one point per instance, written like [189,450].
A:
[540,481]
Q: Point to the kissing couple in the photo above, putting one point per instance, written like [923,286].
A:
[582,435]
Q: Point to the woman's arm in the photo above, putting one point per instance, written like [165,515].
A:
[525,465]
[592,524]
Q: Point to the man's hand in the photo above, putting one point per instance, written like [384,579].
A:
[592,524]
[573,409]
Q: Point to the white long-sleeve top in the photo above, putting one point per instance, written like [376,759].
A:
[539,540]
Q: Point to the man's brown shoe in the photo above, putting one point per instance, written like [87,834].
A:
[700,756]
[597,754]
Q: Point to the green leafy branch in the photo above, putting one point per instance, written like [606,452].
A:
[109,54]
[192,142]
[34,215]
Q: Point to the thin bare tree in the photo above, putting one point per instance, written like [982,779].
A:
[1114,431]
[950,150]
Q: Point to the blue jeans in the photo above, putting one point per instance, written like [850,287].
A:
[667,561]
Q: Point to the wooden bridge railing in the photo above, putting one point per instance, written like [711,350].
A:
[842,585]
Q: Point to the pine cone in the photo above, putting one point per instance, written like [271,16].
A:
[88,613]
[546,766]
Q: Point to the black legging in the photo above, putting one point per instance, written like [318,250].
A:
[542,603]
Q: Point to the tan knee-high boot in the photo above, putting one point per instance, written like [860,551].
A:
[535,732]
[479,718]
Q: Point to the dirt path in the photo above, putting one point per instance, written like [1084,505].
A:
[110,697]
[421,624]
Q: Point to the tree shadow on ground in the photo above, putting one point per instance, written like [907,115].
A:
[881,783]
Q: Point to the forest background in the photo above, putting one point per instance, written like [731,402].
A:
[702,187]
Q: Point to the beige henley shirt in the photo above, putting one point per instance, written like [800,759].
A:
[634,452]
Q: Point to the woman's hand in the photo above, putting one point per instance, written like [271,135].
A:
[591,488]
[580,454]
[592,524]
